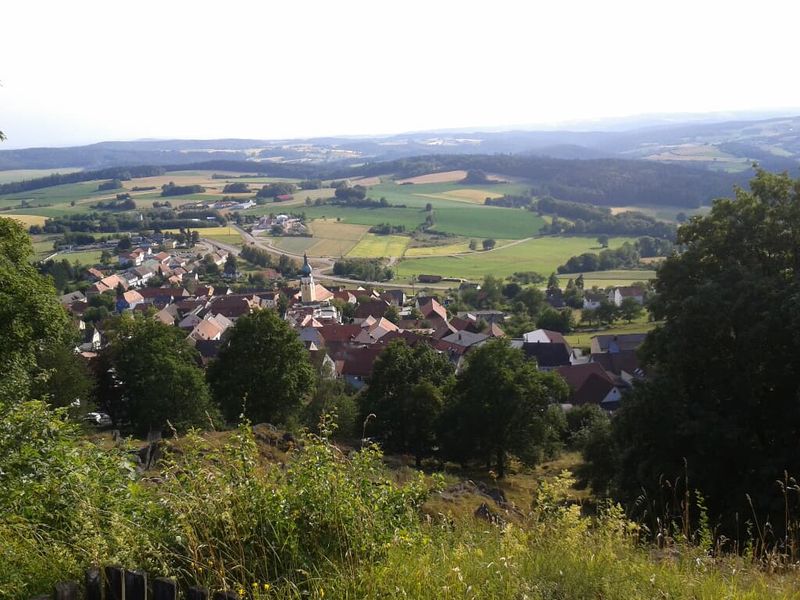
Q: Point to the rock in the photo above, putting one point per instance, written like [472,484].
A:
[485,513]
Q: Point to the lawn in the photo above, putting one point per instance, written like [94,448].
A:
[582,339]
[542,254]
[380,246]
[88,257]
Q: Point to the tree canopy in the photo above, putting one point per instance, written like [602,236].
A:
[404,394]
[32,322]
[500,404]
[262,370]
[720,406]
[159,377]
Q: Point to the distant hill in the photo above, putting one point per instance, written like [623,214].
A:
[722,146]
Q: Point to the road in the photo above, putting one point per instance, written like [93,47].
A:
[320,265]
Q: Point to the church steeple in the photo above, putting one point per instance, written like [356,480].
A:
[305,271]
[308,291]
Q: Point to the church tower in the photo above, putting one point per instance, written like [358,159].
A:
[308,292]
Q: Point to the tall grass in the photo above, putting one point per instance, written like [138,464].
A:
[322,525]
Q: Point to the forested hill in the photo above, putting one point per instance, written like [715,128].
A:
[609,182]
[602,181]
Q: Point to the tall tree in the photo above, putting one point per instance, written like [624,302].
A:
[32,322]
[262,370]
[158,375]
[405,409]
[721,403]
[500,404]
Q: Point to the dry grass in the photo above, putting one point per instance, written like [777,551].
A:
[26,220]
[336,230]
[471,196]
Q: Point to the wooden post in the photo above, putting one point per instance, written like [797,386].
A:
[197,593]
[115,583]
[94,590]
[67,590]
[135,585]
[165,588]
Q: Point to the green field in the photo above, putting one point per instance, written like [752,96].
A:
[380,246]
[542,254]
[583,339]
[89,257]
[294,245]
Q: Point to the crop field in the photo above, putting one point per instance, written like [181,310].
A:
[26,220]
[324,228]
[55,195]
[445,177]
[542,254]
[454,248]
[662,213]
[25,174]
[379,246]
[331,238]
[293,245]
[464,195]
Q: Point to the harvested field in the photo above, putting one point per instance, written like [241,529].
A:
[472,196]
[336,230]
[26,220]
[366,181]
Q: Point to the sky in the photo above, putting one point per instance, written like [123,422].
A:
[86,71]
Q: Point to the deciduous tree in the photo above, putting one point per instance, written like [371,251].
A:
[262,370]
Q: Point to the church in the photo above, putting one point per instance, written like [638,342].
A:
[310,291]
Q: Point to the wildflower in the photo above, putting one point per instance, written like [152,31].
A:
[266,587]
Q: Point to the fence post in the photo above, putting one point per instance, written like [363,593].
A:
[165,588]
[135,585]
[93,587]
[115,583]
[67,590]
[197,593]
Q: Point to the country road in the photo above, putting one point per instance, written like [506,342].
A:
[321,265]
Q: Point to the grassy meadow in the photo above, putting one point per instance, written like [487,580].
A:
[542,254]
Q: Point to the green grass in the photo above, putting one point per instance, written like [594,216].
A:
[295,245]
[583,338]
[58,194]
[543,254]
[89,257]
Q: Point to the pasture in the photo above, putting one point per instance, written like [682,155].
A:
[380,246]
[542,254]
[88,257]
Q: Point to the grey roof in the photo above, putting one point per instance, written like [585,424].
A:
[465,338]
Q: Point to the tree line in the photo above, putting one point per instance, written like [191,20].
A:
[365,269]
[119,173]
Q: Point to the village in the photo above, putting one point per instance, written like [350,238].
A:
[343,329]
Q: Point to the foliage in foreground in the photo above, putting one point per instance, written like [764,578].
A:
[324,525]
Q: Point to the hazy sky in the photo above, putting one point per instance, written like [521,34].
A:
[82,71]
